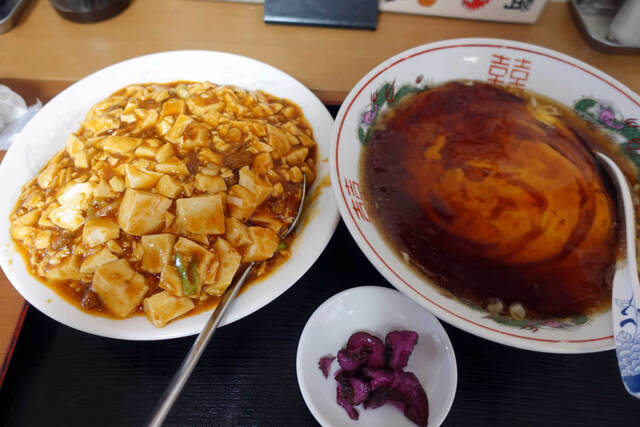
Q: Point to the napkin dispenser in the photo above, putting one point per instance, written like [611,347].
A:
[609,25]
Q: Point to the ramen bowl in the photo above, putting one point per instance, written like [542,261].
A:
[594,96]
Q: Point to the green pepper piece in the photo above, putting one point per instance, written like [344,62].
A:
[184,278]
[194,275]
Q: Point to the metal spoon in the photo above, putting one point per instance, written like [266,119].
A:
[626,290]
[184,372]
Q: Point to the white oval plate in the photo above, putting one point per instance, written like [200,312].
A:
[598,97]
[378,311]
[46,134]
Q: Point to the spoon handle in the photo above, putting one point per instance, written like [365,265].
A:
[184,372]
[626,290]
[629,224]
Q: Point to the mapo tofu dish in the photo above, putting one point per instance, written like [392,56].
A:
[162,196]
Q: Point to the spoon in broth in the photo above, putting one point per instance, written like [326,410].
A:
[184,372]
[626,288]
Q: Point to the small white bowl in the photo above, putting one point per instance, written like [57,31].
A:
[378,311]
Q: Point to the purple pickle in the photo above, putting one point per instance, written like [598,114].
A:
[407,390]
[400,345]
[325,365]
[371,374]
[360,390]
[368,346]
[379,378]
[350,361]
[345,394]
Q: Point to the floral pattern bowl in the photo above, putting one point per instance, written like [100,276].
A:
[594,95]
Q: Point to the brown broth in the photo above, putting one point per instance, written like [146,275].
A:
[496,197]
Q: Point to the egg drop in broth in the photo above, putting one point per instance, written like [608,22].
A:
[495,197]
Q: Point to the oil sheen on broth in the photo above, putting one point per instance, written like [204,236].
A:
[496,198]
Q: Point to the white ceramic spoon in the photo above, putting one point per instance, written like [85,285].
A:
[626,290]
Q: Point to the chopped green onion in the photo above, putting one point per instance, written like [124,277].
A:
[282,246]
[187,287]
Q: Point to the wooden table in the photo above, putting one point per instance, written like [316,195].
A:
[44,54]
[12,312]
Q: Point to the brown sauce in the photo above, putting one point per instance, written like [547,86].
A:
[496,197]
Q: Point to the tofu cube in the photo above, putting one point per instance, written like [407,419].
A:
[146,150]
[163,126]
[260,188]
[170,280]
[172,107]
[210,184]
[173,165]
[205,155]
[77,195]
[165,152]
[145,118]
[157,249]
[241,202]
[142,212]
[178,128]
[45,178]
[92,262]
[260,147]
[266,218]
[237,233]
[265,243]
[119,287]
[229,262]
[68,269]
[74,145]
[99,230]
[262,162]
[120,144]
[169,187]
[44,220]
[68,217]
[100,124]
[279,141]
[205,259]
[201,106]
[117,184]
[30,218]
[161,96]
[140,178]
[198,135]
[23,232]
[168,219]
[201,215]
[43,239]
[163,307]
[81,160]
[297,156]
[103,191]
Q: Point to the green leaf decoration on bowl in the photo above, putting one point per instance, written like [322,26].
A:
[604,116]
[530,324]
[385,97]
[536,324]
